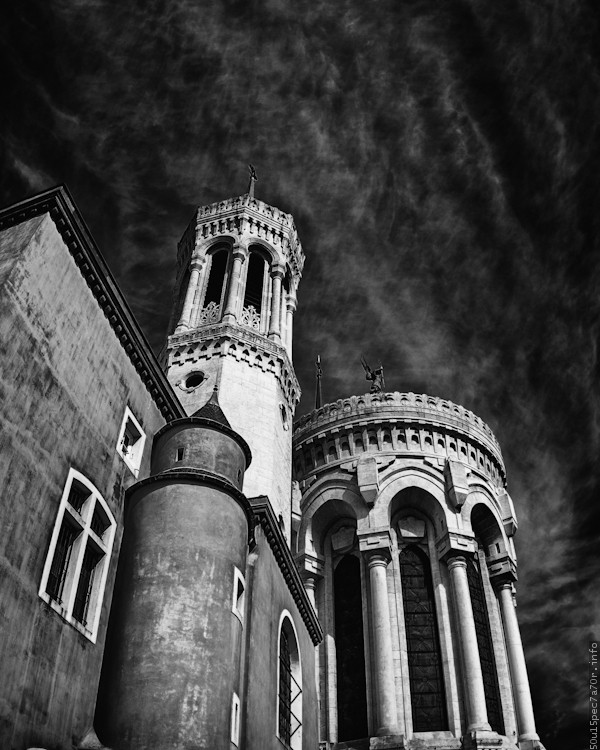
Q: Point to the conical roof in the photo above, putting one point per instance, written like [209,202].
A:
[212,410]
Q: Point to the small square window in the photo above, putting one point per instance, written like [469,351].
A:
[130,445]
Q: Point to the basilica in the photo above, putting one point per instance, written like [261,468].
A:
[186,564]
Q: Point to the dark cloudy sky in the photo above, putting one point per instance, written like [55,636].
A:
[442,162]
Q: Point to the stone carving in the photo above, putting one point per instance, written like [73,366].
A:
[210,314]
[375,376]
[250,317]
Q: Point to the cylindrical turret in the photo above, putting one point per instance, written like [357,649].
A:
[175,629]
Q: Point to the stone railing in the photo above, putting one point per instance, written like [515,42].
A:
[405,406]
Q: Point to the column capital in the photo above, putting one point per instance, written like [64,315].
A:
[454,543]
[277,271]
[239,251]
[197,262]
[310,566]
[375,543]
[291,304]
[456,561]
[502,571]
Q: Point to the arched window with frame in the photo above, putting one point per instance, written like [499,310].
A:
[216,285]
[425,670]
[289,686]
[254,293]
[76,565]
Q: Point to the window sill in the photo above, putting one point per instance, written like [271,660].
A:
[60,610]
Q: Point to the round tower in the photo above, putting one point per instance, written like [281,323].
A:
[239,265]
[172,673]
[405,536]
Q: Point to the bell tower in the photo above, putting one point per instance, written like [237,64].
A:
[239,264]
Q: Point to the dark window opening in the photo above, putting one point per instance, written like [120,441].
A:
[485,646]
[100,521]
[216,277]
[424,656]
[254,282]
[194,379]
[289,691]
[91,559]
[180,454]
[78,494]
[60,561]
[350,651]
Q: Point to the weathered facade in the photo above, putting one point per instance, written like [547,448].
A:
[162,573]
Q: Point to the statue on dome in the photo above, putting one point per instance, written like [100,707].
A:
[375,376]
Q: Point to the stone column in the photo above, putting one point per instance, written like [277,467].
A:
[291,309]
[475,695]
[516,661]
[274,328]
[196,265]
[387,717]
[239,254]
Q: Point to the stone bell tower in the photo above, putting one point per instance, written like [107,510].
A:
[239,264]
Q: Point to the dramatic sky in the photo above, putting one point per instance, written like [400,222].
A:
[442,162]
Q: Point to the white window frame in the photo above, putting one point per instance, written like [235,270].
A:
[131,454]
[235,719]
[82,522]
[238,604]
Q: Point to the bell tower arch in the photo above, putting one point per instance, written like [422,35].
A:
[239,264]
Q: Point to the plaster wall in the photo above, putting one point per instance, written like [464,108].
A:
[64,385]
[269,596]
[172,655]
[251,399]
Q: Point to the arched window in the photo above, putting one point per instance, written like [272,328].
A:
[253,294]
[484,644]
[289,686]
[423,646]
[76,566]
[215,287]
[350,651]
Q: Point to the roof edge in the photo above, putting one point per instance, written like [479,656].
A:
[76,235]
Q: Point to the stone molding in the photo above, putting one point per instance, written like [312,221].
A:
[59,204]
[266,518]
[405,407]
[253,348]
[244,216]
[389,429]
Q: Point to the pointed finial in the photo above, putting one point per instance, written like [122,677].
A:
[318,392]
[253,179]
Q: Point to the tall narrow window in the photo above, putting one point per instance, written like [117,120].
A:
[486,649]
[289,694]
[423,646]
[251,313]
[76,566]
[215,288]
[350,651]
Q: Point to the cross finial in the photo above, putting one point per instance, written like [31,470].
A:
[253,179]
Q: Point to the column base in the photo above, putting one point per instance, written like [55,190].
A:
[387,742]
[481,739]
[530,745]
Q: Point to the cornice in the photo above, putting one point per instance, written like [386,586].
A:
[266,517]
[59,204]
[397,407]
[244,337]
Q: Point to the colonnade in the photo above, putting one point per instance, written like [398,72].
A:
[281,304]
[385,701]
